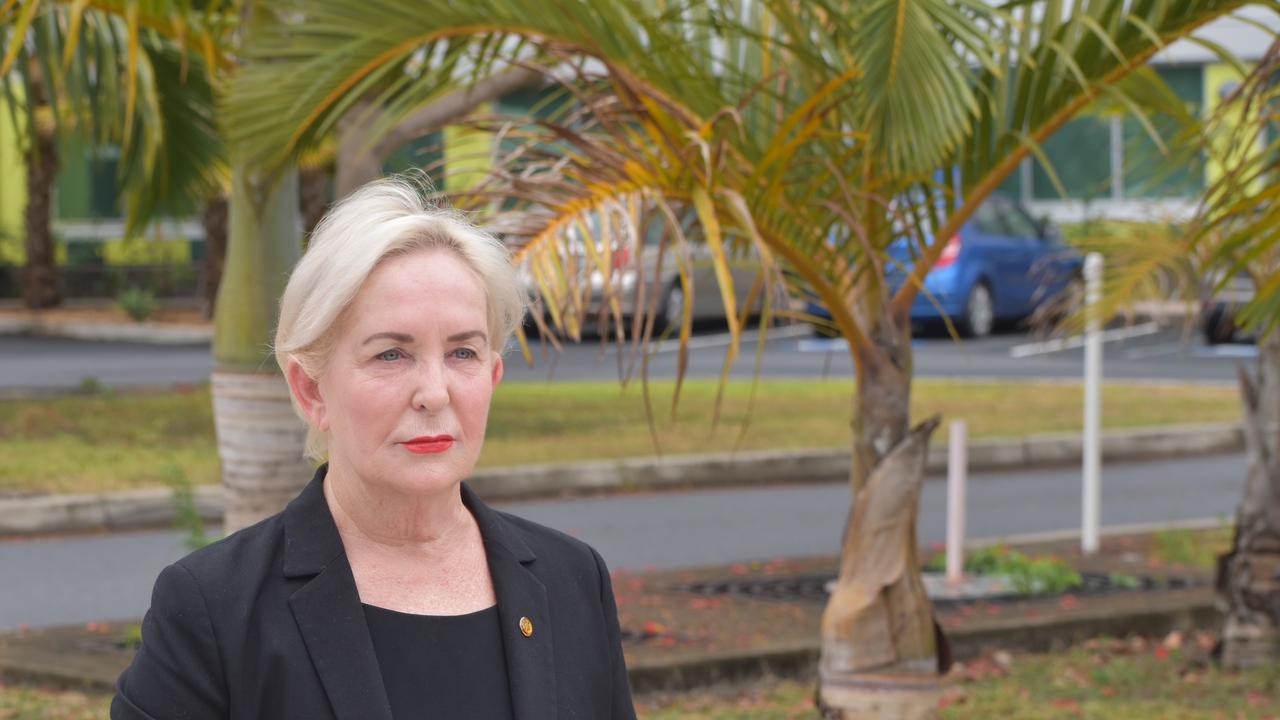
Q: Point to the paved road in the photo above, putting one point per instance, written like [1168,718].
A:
[28,363]
[80,579]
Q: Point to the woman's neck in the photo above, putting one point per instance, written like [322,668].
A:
[395,523]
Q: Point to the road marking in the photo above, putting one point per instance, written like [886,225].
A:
[821,344]
[725,339]
[1075,341]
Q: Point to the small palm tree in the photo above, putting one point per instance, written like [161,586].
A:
[1234,235]
[815,134]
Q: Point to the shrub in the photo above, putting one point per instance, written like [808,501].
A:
[1027,575]
[138,302]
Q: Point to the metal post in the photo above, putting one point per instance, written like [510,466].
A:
[957,475]
[1117,159]
[1092,405]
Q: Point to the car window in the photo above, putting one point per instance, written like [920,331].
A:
[987,218]
[1019,224]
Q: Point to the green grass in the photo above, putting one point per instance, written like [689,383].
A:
[111,441]
[1103,680]
[1118,680]
[23,703]
[1192,549]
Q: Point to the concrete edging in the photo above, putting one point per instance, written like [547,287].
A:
[150,508]
[143,332]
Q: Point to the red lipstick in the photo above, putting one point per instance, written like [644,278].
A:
[429,444]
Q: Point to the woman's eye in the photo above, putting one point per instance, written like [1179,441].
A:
[466,354]
[390,355]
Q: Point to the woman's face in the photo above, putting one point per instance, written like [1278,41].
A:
[404,398]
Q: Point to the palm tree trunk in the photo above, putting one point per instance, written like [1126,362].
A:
[314,201]
[880,646]
[40,274]
[214,221]
[260,440]
[1249,576]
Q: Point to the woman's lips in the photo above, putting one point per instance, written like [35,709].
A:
[429,444]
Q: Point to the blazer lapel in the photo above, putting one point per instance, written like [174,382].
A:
[531,669]
[328,611]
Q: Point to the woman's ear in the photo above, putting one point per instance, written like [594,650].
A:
[498,370]
[306,392]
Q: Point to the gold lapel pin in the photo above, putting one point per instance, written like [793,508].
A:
[526,627]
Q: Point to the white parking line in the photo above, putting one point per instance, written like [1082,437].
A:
[1075,341]
[724,339]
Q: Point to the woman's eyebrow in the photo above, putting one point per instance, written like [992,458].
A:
[459,337]
[398,337]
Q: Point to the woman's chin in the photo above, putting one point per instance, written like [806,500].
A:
[428,475]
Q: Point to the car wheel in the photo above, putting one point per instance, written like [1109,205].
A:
[1219,328]
[979,312]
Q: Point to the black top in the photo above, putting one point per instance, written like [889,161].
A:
[450,667]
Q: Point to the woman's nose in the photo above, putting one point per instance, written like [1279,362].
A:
[431,391]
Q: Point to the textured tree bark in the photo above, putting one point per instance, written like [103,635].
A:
[359,161]
[1249,576]
[260,440]
[260,443]
[882,406]
[40,273]
[214,220]
[880,645]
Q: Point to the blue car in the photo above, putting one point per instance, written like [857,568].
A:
[1002,266]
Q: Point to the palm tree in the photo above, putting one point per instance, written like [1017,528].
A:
[813,133]
[1233,235]
[147,78]
[116,76]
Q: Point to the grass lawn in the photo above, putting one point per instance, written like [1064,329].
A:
[23,703]
[112,441]
[1102,679]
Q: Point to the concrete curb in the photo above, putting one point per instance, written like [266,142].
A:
[150,508]
[143,332]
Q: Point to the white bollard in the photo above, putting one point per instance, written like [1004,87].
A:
[957,475]
[1092,470]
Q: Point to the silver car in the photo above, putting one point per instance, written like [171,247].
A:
[662,290]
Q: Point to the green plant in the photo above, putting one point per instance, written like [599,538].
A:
[1027,575]
[91,385]
[1124,580]
[138,302]
[132,636]
[187,514]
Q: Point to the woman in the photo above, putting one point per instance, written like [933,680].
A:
[387,589]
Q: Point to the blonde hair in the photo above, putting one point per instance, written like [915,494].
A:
[383,219]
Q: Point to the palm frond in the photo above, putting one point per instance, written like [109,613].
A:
[137,75]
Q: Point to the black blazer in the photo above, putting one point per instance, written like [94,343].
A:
[267,623]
